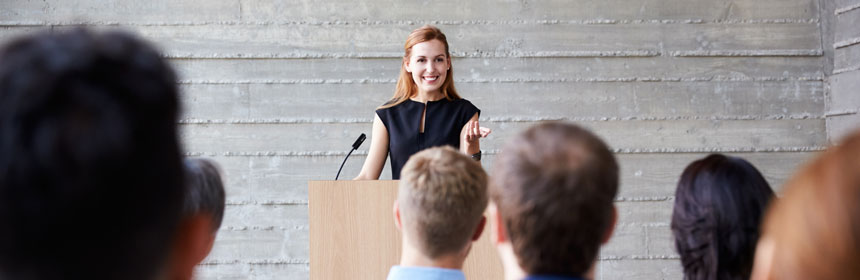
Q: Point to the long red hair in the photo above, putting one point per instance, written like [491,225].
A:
[406,87]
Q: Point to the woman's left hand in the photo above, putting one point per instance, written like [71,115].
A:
[474,132]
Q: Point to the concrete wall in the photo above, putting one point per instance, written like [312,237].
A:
[276,91]
[844,95]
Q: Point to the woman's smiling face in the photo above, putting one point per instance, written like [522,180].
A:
[428,65]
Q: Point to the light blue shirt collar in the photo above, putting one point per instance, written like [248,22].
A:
[424,273]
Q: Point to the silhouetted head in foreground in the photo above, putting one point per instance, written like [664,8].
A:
[91,177]
[813,231]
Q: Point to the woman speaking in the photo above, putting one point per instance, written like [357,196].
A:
[426,110]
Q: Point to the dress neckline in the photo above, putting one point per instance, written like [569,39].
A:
[428,101]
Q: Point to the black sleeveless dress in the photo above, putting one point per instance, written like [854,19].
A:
[442,125]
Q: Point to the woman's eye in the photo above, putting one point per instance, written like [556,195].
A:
[420,60]
[439,60]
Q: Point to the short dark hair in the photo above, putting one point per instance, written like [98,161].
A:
[719,206]
[91,182]
[554,186]
[205,193]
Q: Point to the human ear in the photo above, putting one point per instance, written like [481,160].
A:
[479,229]
[611,229]
[763,260]
[396,212]
[193,242]
[497,227]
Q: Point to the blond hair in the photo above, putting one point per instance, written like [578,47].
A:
[406,87]
[442,197]
[815,227]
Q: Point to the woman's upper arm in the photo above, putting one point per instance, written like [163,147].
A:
[377,153]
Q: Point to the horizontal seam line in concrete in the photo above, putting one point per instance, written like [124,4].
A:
[749,53]
[841,113]
[846,43]
[512,54]
[473,54]
[305,261]
[266,202]
[804,116]
[503,55]
[644,198]
[790,149]
[258,262]
[268,228]
[632,199]
[846,9]
[517,54]
[419,22]
[640,257]
[304,228]
[480,81]
[846,69]
[646,225]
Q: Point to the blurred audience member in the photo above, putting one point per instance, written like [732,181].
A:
[91,181]
[552,194]
[719,205]
[204,196]
[439,210]
[813,231]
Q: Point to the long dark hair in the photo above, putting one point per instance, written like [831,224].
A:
[719,206]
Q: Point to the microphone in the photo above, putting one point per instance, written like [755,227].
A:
[354,147]
[358,141]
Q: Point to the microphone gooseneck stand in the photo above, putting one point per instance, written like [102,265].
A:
[354,147]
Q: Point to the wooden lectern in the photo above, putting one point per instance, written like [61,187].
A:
[353,236]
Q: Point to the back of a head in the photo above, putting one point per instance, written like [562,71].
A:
[813,231]
[205,193]
[91,179]
[719,205]
[442,196]
[554,187]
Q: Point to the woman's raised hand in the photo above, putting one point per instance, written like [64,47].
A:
[474,132]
